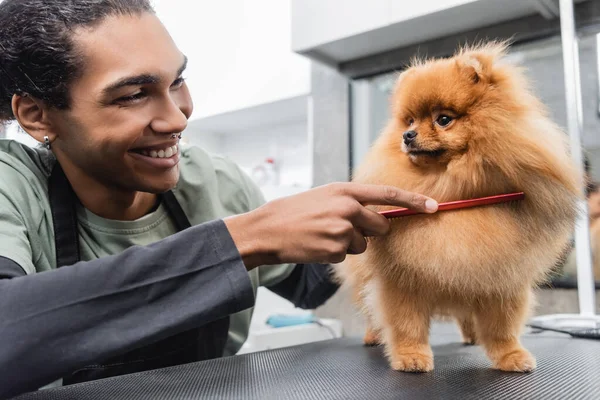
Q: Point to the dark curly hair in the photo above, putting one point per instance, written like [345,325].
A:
[37,56]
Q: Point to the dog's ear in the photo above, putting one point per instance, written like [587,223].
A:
[471,67]
[401,77]
[478,62]
[398,86]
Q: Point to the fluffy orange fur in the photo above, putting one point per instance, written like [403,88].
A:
[479,131]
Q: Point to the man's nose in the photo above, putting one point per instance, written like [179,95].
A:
[171,120]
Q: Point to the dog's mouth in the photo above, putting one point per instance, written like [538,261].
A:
[414,151]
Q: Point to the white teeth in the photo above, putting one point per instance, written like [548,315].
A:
[164,153]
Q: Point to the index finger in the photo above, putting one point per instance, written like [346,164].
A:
[380,195]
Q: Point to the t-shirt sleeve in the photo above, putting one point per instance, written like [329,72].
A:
[14,241]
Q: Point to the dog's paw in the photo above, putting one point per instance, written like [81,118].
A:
[371,339]
[467,341]
[413,362]
[516,361]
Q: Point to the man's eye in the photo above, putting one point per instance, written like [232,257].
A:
[443,120]
[131,99]
[134,98]
[178,82]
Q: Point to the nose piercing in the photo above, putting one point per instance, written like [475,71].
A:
[176,136]
[47,142]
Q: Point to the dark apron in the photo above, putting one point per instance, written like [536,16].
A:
[201,343]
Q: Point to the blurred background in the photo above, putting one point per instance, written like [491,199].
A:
[295,91]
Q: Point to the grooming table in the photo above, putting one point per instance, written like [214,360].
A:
[343,369]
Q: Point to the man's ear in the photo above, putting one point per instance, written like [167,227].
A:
[32,114]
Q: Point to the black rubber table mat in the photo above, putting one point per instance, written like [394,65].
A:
[344,369]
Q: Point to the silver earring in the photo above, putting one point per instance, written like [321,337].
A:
[47,142]
[176,136]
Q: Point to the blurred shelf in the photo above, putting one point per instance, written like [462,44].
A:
[281,112]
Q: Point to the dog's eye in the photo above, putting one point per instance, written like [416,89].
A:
[410,121]
[443,120]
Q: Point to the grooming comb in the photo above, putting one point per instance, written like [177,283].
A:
[455,205]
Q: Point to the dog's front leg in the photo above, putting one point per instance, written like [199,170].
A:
[405,329]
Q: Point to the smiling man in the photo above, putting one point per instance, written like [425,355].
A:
[120,249]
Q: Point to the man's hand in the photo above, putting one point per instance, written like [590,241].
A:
[320,225]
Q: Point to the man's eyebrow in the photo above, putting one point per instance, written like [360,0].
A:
[139,80]
[183,66]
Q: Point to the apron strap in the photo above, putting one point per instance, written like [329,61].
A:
[64,217]
[175,211]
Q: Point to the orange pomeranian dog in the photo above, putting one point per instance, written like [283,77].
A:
[463,128]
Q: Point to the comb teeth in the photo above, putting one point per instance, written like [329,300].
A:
[455,205]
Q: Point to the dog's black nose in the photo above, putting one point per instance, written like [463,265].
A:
[409,137]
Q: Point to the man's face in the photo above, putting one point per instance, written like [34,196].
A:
[126,106]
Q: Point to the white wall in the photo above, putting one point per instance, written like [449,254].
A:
[239,52]
[317,21]
[13,131]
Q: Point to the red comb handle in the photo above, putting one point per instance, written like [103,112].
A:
[455,205]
